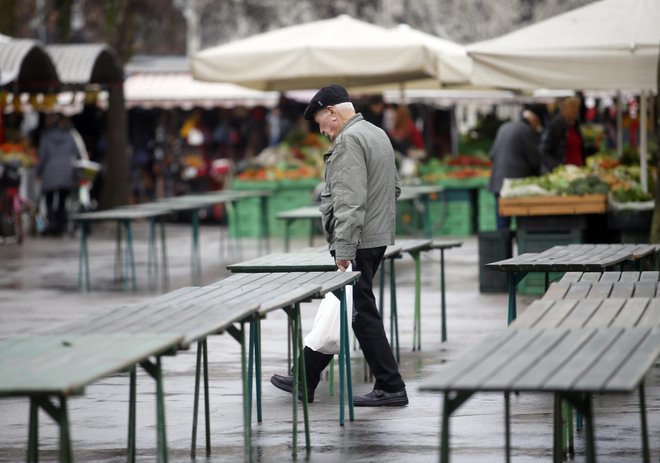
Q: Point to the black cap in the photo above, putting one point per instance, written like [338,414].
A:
[539,109]
[327,96]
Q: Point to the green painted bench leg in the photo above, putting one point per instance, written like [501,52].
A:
[507,426]
[61,416]
[131,415]
[83,259]
[198,366]
[303,375]
[394,316]
[118,253]
[265,228]
[343,347]
[239,335]
[582,402]
[443,302]
[296,379]
[163,244]
[347,361]
[152,255]
[257,364]
[33,433]
[207,398]
[646,453]
[451,402]
[514,279]
[557,450]
[195,258]
[569,430]
[417,330]
[156,372]
[130,257]
[250,367]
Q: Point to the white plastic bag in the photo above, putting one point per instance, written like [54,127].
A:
[324,336]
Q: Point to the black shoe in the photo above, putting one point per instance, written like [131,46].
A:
[285,383]
[380,398]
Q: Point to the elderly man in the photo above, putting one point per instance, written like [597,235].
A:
[358,208]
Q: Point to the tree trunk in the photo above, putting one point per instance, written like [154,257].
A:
[655,224]
[116,180]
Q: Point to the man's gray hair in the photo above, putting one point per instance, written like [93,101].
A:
[345,107]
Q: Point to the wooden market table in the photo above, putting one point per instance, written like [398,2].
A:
[45,366]
[572,364]
[568,258]
[553,205]
[307,262]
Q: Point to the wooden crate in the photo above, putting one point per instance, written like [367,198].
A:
[553,205]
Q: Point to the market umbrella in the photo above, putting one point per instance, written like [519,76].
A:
[606,45]
[342,50]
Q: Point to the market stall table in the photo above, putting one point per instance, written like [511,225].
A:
[311,262]
[572,364]
[578,257]
[124,219]
[45,366]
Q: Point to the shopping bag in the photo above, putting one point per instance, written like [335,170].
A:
[324,336]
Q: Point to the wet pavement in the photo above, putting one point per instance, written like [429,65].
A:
[38,291]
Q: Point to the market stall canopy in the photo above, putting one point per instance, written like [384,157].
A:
[341,50]
[180,90]
[79,65]
[606,45]
[25,65]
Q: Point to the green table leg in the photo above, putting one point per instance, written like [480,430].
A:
[83,259]
[163,244]
[303,375]
[195,262]
[156,372]
[239,335]
[443,302]
[33,433]
[394,316]
[130,257]
[417,329]
[507,426]
[514,279]
[257,364]
[60,415]
[452,400]
[131,415]
[198,366]
[646,452]
[265,227]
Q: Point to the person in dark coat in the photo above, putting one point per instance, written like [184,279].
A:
[58,149]
[515,154]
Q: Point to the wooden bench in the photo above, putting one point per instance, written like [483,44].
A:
[569,363]
[41,367]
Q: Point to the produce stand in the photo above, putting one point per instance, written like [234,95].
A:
[553,205]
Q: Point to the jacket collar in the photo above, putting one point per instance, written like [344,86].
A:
[352,121]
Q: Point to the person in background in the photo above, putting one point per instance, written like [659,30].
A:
[404,134]
[561,141]
[58,149]
[375,110]
[515,154]
[358,216]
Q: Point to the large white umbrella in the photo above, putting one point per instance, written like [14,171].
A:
[342,50]
[606,45]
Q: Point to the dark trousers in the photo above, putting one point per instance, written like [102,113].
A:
[368,328]
[503,222]
[56,210]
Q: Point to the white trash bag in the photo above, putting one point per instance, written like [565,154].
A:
[324,336]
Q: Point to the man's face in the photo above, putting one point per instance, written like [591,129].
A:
[327,121]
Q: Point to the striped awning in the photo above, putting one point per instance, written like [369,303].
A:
[180,90]
[83,64]
[26,65]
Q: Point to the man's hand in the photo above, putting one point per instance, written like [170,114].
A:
[343,264]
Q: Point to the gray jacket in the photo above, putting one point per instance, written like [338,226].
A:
[361,187]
